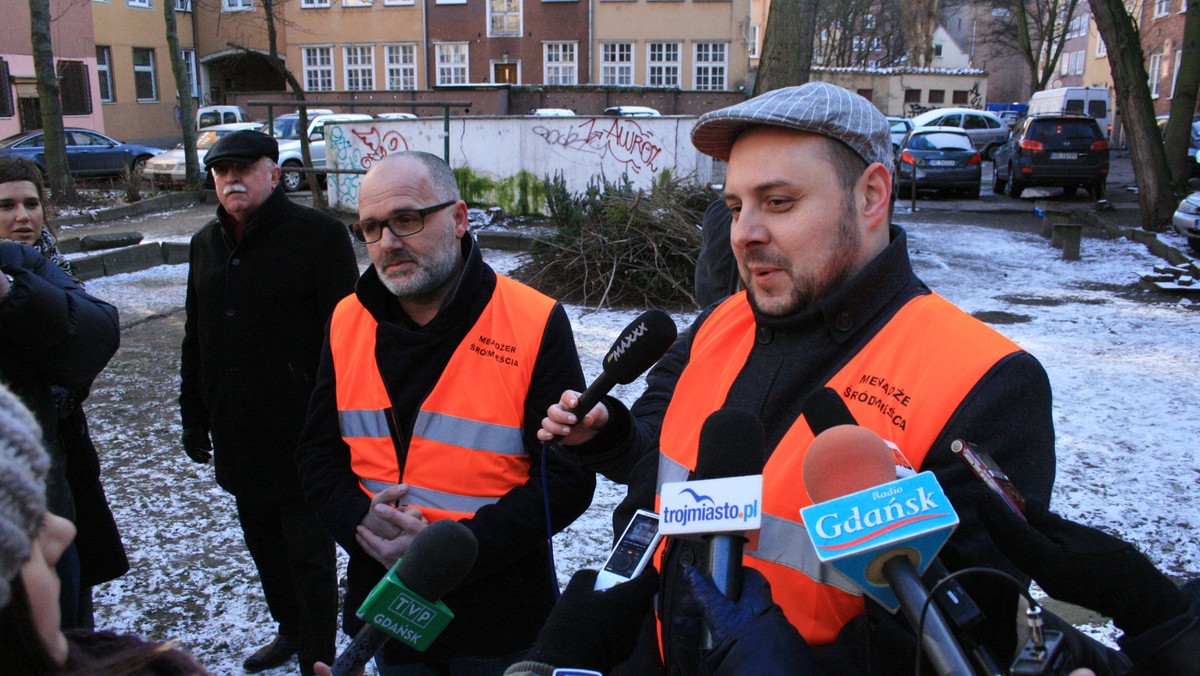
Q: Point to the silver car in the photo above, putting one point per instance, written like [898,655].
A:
[168,168]
[1187,220]
[987,131]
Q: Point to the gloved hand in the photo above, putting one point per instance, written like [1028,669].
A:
[197,445]
[592,629]
[1082,565]
[751,636]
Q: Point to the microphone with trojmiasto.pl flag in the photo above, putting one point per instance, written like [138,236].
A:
[405,605]
[721,504]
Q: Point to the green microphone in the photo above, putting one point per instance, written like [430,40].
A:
[405,605]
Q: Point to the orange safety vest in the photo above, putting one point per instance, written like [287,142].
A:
[904,384]
[467,447]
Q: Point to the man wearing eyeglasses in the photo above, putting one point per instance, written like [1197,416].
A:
[264,277]
[433,380]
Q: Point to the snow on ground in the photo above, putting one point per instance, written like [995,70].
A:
[1122,363]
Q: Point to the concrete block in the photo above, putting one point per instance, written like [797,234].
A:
[174,253]
[132,259]
[88,267]
[109,240]
[1068,236]
[69,245]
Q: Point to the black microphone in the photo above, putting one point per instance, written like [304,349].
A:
[638,347]
[438,559]
[732,444]
[824,408]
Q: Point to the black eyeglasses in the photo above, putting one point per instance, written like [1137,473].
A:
[402,223]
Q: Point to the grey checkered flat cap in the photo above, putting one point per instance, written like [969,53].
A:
[816,107]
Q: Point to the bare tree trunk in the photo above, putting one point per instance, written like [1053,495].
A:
[183,94]
[1155,196]
[58,174]
[318,196]
[787,45]
[921,22]
[1183,105]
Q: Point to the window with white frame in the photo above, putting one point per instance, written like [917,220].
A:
[237,5]
[1101,48]
[183,5]
[104,74]
[1155,73]
[143,75]
[754,33]
[663,64]
[1162,8]
[318,68]
[189,64]
[401,66]
[561,63]
[937,50]
[452,63]
[139,3]
[356,3]
[504,17]
[616,63]
[398,2]
[313,4]
[711,65]
[869,21]
[359,62]
[1064,64]
[1080,57]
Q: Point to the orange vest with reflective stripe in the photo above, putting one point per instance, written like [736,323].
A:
[467,447]
[904,384]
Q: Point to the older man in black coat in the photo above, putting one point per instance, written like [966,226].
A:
[264,277]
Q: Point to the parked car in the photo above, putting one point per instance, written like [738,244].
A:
[289,147]
[1193,142]
[1068,151]
[395,116]
[900,127]
[209,116]
[1187,220]
[552,112]
[89,153]
[169,167]
[987,131]
[632,111]
[285,126]
[941,158]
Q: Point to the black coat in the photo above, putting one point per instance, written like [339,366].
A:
[256,313]
[53,333]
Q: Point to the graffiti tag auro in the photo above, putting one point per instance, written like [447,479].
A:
[622,140]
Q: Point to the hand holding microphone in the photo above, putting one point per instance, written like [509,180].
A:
[1082,565]
[638,347]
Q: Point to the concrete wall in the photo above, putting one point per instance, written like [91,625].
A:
[502,161]
[888,86]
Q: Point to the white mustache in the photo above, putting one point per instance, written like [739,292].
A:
[230,189]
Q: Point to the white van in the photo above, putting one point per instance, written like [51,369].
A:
[208,116]
[1090,101]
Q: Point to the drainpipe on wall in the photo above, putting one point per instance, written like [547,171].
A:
[591,41]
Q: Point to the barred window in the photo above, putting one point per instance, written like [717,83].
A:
[75,88]
[6,93]
[143,75]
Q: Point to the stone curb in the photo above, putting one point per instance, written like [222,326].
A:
[130,259]
[174,200]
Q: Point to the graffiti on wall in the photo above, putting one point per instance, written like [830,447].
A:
[361,152]
[617,139]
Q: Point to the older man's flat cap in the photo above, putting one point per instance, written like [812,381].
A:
[815,107]
[244,146]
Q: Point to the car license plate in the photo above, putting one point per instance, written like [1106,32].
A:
[942,163]
[1063,156]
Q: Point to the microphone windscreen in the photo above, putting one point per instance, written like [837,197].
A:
[846,459]
[825,409]
[639,346]
[732,443]
[439,557]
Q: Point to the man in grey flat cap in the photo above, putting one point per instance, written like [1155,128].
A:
[833,327]
[265,275]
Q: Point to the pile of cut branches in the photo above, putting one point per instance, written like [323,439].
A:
[617,246]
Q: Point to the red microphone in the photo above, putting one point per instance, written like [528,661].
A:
[846,459]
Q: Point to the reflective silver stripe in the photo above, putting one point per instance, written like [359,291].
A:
[426,497]
[364,423]
[787,543]
[472,434]
[669,471]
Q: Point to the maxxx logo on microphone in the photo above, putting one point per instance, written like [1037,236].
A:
[731,505]
[911,516]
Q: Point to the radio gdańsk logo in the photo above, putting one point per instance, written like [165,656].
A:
[883,513]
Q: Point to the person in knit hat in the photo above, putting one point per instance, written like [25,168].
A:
[31,541]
